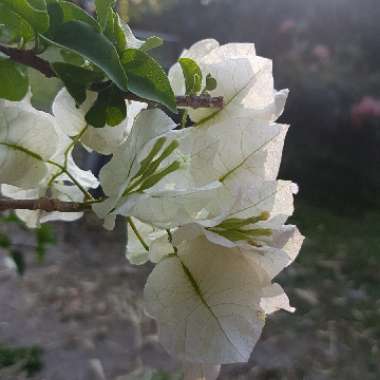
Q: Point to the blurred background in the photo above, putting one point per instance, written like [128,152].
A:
[78,314]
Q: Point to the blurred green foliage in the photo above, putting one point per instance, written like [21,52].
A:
[44,237]
[28,358]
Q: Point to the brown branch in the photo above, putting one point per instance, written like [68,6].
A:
[29,58]
[44,204]
[202,101]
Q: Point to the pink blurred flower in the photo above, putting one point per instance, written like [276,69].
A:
[365,109]
[322,53]
[286,26]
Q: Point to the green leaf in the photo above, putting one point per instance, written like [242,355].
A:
[211,83]
[18,259]
[4,241]
[14,81]
[72,58]
[39,4]
[115,32]
[13,27]
[34,12]
[192,74]
[44,89]
[76,79]
[56,17]
[120,38]
[103,12]
[109,108]
[44,237]
[147,78]
[11,218]
[27,359]
[71,12]
[87,41]
[152,42]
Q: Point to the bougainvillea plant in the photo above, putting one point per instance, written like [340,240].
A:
[200,195]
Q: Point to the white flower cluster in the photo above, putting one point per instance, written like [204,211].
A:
[215,229]
[203,203]
[36,152]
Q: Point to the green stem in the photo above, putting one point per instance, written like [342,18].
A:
[136,232]
[80,187]
[185,114]
[63,169]
[76,139]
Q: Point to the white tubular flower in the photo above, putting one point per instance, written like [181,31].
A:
[71,120]
[23,149]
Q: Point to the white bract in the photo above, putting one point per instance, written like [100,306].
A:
[210,300]
[202,203]
[71,120]
[250,142]
[46,168]
[211,290]
[152,176]
[23,149]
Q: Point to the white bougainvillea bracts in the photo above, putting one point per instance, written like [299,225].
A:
[199,192]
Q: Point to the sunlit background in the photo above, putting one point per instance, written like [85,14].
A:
[81,308]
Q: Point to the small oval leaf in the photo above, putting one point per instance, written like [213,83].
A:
[147,78]
[71,12]
[192,74]
[13,27]
[94,46]
[37,17]
[76,79]
[14,81]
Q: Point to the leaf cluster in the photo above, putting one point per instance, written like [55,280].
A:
[89,53]
[28,357]
[44,237]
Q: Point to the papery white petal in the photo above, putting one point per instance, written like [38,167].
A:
[132,41]
[23,131]
[248,149]
[244,80]
[148,125]
[85,177]
[168,209]
[196,52]
[106,140]
[275,197]
[206,301]
[280,253]
[274,299]
[136,253]
[71,120]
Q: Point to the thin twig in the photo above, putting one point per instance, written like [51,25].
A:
[201,101]
[29,58]
[44,204]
